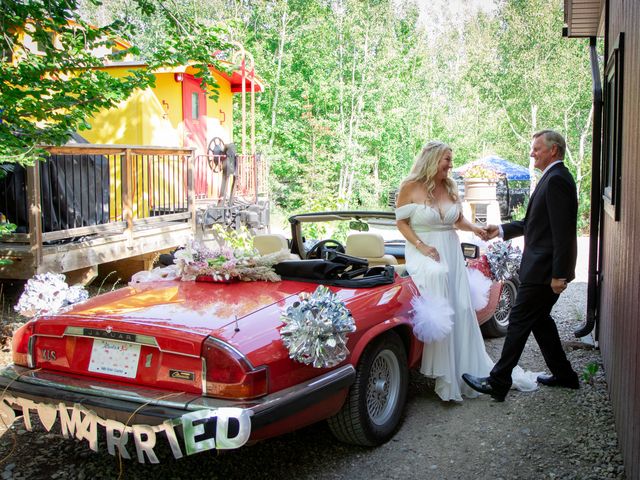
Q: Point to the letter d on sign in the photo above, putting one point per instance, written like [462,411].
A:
[222,428]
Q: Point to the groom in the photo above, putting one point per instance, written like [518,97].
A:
[548,264]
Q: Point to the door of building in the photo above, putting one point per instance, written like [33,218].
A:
[194,109]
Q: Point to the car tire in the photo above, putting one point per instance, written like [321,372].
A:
[373,410]
[498,324]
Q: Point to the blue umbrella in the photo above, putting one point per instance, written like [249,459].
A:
[512,170]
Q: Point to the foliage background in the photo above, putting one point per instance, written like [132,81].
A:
[354,88]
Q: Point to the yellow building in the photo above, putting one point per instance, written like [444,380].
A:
[175,113]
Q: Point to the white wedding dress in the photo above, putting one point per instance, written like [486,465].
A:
[462,350]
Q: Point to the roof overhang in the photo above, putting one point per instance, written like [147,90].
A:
[234,78]
[583,18]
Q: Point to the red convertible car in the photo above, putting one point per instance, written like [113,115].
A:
[205,365]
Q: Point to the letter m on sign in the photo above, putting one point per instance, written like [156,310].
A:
[69,425]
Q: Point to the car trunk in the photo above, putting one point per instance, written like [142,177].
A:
[150,335]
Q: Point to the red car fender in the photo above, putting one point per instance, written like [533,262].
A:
[402,326]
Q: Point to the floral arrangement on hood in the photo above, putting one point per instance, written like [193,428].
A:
[226,264]
[48,293]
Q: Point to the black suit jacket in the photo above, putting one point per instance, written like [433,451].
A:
[549,229]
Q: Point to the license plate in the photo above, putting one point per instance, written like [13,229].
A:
[114,358]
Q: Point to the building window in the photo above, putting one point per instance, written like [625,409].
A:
[195,106]
[612,135]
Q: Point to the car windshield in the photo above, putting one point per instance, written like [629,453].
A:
[340,228]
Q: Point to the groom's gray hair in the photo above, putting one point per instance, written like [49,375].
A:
[551,138]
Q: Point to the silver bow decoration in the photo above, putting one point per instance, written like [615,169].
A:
[48,294]
[504,260]
[315,329]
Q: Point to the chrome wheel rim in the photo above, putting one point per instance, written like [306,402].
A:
[383,389]
[505,304]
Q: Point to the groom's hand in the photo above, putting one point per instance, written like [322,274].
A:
[492,231]
[558,285]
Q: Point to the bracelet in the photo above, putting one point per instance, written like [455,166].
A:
[418,243]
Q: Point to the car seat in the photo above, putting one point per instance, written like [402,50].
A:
[369,246]
[267,243]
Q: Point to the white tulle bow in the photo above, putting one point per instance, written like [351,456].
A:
[432,319]
[479,286]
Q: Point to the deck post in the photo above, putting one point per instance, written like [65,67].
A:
[35,214]
[191,193]
[127,195]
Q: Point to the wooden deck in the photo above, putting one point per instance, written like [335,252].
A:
[74,216]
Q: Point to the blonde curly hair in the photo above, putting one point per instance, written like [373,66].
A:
[425,167]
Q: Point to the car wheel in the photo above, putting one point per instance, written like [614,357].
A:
[374,407]
[498,324]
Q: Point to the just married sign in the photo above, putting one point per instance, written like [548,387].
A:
[82,423]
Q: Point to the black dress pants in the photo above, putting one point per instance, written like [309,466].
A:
[531,313]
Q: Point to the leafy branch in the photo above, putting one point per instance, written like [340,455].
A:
[51,82]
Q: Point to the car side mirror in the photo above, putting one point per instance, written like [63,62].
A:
[469,250]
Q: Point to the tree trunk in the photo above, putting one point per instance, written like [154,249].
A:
[274,106]
[532,170]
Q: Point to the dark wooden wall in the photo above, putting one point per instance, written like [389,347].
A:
[620,293]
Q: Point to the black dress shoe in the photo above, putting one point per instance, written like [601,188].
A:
[553,381]
[482,385]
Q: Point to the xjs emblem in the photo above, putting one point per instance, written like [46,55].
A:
[48,355]
[181,375]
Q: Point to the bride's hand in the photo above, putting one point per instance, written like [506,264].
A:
[480,232]
[428,251]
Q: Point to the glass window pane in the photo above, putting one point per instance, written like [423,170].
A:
[195,106]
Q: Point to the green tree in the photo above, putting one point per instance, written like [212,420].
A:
[48,94]
[534,79]
[354,88]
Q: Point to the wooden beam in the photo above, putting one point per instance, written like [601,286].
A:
[15,238]
[171,217]
[63,258]
[82,276]
[93,149]
[127,193]
[35,212]
[106,229]
[191,192]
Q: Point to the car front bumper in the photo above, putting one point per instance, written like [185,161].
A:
[80,404]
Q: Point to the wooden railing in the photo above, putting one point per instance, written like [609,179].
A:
[89,204]
[83,190]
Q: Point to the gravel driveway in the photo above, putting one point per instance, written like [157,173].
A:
[546,434]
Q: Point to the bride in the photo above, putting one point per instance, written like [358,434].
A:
[428,213]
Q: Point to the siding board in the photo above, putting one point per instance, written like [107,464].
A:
[620,301]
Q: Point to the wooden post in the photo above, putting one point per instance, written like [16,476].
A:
[35,214]
[191,194]
[253,134]
[127,195]
[244,104]
[253,110]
